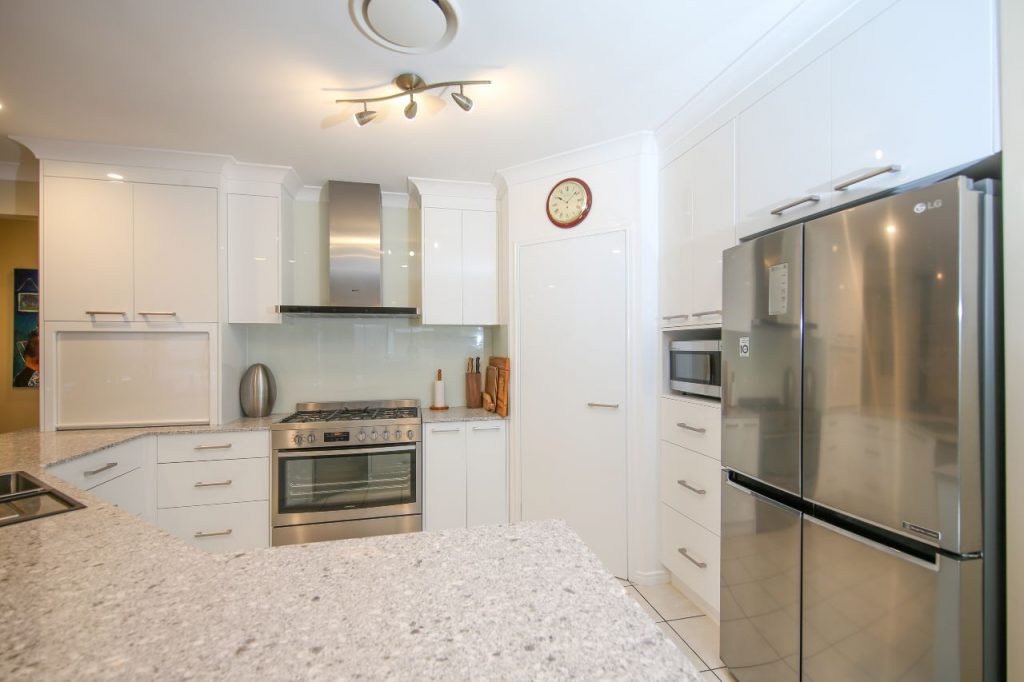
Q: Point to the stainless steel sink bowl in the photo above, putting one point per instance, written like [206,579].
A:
[24,498]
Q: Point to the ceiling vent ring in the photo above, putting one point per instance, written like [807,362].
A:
[407,26]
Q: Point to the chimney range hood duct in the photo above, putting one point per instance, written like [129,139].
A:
[354,274]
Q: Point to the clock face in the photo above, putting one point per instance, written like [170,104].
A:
[569,202]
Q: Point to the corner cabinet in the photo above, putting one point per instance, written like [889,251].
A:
[464,474]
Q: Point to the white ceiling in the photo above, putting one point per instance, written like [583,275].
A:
[243,77]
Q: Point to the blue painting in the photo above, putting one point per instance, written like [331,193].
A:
[26,328]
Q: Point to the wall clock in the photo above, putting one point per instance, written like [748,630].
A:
[569,202]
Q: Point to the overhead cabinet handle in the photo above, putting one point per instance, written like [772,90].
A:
[204,484]
[168,313]
[612,406]
[892,168]
[686,485]
[211,534]
[695,429]
[708,312]
[486,428]
[673,317]
[105,312]
[220,446]
[698,564]
[105,467]
[810,198]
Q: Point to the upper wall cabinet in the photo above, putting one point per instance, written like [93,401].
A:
[914,88]
[254,268]
[118,251]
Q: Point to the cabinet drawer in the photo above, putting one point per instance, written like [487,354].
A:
[691,484]
[99,467]
[700,571]
[184,484]
[220,527]
[194,447]
[693,425]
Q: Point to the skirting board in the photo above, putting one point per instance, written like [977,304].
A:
[649,577]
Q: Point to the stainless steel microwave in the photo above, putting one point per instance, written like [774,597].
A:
[696,367]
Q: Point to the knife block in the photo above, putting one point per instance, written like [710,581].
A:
[474,392]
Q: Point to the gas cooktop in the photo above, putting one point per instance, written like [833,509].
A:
[348,423]
[350,414]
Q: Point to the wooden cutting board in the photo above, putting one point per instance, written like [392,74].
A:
[503,368]
[491,388]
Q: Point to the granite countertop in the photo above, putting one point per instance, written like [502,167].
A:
[458,414]
[100,594]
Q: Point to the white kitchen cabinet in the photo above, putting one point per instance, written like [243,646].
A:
[442,266]
[129,491]
[188,484]
[444,476]
[913,87]
[486,475]
[220,527]
[676,276]
[479,267]
[782,152]
[254,268]
[175,253]
[123,474]
[86,240]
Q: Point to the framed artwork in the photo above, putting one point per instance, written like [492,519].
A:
[26,328]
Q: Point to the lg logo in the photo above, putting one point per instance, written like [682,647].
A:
[922,206]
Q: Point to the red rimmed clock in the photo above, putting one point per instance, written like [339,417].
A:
[569,203]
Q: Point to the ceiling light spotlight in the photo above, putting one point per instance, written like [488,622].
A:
[410,108]
[363,117]
[461,99]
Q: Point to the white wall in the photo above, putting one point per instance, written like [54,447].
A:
[622,175]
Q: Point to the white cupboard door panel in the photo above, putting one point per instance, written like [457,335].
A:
[485,473]
[693,554]
[573,365]
[254,284]
[86,250]
[129,491]
[782,144]
[99,467]
[442,266]
[691,483]
[479,267]
[676,277]
[186,484]
[220,527]
[911,88]
[197,447]
[175,247]
[695,425]
[444,476]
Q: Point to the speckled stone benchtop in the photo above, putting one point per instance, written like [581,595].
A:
[100,594]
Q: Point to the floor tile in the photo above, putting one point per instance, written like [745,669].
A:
[724,675]
[701,634]
[687,651]
[623,581]
[709,676]
[639,599]
[669,602]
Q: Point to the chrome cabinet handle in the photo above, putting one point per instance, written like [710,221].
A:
[613,406]
[170,313]
[686,485]
[810,198]
[204,484]
[486,428]
[213,533]
[843,186]
[695,429]
[708,312]
[673,317]
[698,564]
[105,312]
[222,446]
[445,430]
[108,465]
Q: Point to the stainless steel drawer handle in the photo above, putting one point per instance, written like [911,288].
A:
[108,465]
[810,198]
[169,313]
[686,485]
[221,446]
[892,168]
[211,534]
[487,428]
[445,430]
[698,564]
[611,406]
[695,429]
[708,312]
[208,484]
[105,312]
[674,317]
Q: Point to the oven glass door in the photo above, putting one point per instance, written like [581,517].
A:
[348,480]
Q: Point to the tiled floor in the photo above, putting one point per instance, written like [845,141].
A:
[695,634]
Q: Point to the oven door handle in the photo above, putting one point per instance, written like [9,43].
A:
[357,451]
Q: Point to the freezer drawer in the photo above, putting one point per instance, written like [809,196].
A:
[760,602]
[872,613]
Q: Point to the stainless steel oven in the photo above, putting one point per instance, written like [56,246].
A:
[695,366]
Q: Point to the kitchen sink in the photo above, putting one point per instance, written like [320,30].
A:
[24,497]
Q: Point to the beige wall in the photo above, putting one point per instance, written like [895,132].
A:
[1012,65]
[19,198]
[19,248]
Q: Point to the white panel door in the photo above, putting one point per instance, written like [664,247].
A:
[486,480]
[129,491]
[913,88]
[442,266]
[175,251]
[87,249]
[572,391]
[782,152]
[254,283]
[714,218]
[479,267]
[444,476]
[676,223]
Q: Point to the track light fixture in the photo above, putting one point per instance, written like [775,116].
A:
[410,84]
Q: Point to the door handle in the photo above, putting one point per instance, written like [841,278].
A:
[108,465]
[211,534]
[810,198]
[708,312]
[486,428]
[695,429]
[686,485]
[105,312]
[843,186]
[221,446]
[445,430]
[673,317]
[698,564]
[204,484]
[611,406]
[159,312]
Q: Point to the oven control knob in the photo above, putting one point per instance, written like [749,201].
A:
[362,435]
[398,435]
[410,434]
[373,435]
[298,439]
[310,438]
[386,435]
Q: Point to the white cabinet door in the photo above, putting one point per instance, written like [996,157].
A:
[86,249]
[573,365]
[175,248]
[442,266]
[254,283]
[714,218]
[913,87]
[782,144]
[479,267]
[485,473]
[220,527]
[676,223]
[129,491]
[444,476]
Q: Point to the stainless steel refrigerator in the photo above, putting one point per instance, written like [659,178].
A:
[861,444]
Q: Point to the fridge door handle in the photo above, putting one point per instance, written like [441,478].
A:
[931,566]
[759,496]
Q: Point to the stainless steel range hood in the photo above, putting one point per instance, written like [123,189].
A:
[354,247]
